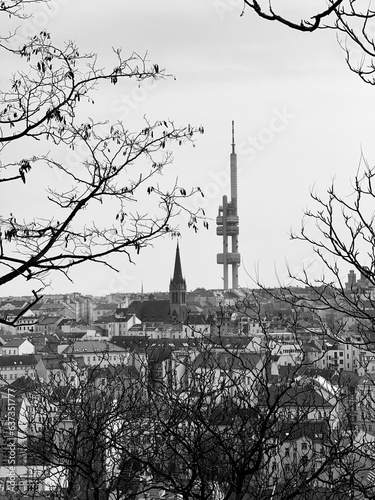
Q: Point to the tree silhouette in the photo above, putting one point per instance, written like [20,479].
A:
[352,22]
[99,166]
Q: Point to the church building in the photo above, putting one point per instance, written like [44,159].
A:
[177,292]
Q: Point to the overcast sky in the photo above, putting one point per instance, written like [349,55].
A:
[301,118]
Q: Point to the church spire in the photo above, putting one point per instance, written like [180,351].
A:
[177,290]
[177,275]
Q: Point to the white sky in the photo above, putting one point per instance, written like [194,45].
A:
[227,68]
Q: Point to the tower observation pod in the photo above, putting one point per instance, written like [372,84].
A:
[227,223]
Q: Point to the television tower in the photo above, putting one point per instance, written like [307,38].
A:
[227,223]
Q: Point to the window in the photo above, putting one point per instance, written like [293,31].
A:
[287,451]
[304,446]
[32,484]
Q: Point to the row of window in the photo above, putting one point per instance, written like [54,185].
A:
[15,367]
[101,358]
[19,484]
[11,376]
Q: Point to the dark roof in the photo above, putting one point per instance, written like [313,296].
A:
[226,361]
[110,372]
[230,342]
[106,307]
[23,384]
[24,360]
[303,396]
[326,373]
[121,311]
[316,430]
[57,362]
[70,336]
[132,342]
[53,363]
[151,311]
[113,318]
[196,319]
[50,320]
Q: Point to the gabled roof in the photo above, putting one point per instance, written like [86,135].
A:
[15,343]
[23,384]
[16,304]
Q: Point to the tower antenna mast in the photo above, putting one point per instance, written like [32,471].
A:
[227,223]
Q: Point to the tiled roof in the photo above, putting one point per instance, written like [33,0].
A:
[91,346]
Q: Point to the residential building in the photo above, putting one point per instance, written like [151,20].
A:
[96,352]
[14,367]
[18,347]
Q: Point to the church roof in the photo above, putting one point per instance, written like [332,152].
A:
[155,311]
